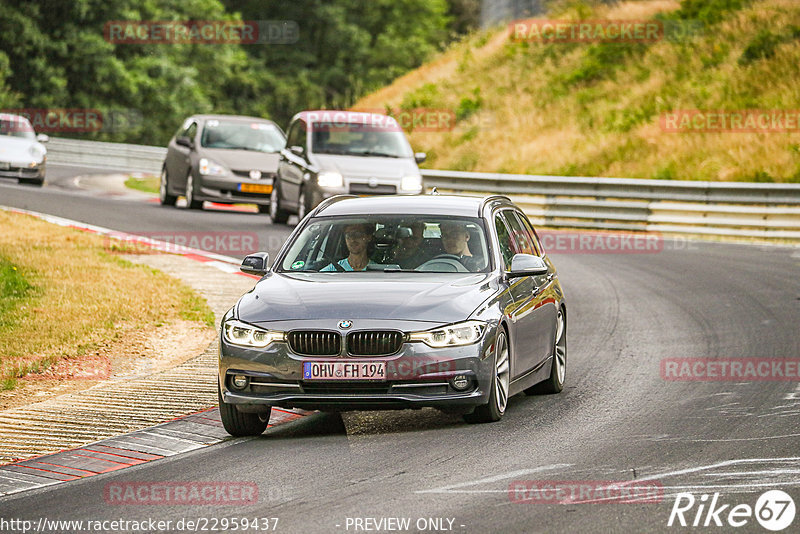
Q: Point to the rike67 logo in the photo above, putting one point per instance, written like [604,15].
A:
[774,510]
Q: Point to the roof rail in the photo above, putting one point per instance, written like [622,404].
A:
[492,198]
[332,200]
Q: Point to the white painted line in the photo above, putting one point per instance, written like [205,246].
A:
[712,466]
[495,478]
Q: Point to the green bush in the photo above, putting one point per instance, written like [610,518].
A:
[761,47]
[469,105]
[708,11]
[602,60]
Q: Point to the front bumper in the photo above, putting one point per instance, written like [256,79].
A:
[416,376]
[16,170]
[228,189]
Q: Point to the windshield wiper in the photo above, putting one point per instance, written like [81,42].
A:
[373,153]
[336,152]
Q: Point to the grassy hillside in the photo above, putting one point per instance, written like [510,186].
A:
[594,109]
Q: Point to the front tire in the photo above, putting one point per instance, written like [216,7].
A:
[302,205]
[163,190]
[240,424]
[276,213]
[558,370]
[36,182]
[498,397]
[191,202]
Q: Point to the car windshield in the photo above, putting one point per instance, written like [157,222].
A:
[389,243]
[16,127]
[241,135]
[359,140]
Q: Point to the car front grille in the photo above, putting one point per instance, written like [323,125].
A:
[361,343]
[315,343]
[365,189]
[374,343]
[361,388]
[246,174]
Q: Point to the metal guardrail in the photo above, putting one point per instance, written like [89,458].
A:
[112,156]
[736,209]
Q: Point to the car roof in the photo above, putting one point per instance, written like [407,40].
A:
[464,206]
[12,116]
[231,117]
[342,116]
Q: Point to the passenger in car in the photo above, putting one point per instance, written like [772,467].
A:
[408,252]
[357,239]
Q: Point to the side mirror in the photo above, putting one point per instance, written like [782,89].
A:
[297,150]
[526,265]
[184,141]
[255,264]
[420,157]
[42,138]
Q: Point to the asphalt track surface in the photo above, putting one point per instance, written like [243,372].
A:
[616,420]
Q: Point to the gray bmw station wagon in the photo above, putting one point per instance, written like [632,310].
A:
[396,302]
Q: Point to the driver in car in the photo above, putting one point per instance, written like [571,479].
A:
[455,240]
[358,238]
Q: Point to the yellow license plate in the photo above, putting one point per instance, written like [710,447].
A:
[255,188]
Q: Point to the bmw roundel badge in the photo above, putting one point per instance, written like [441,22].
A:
[344,325]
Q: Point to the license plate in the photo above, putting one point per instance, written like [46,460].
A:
[255,188]
[344,370]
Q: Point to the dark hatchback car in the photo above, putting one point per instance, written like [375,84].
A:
[331,152]
[396,302]
[222,158]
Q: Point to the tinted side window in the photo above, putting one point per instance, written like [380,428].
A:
[297,135]
[190,131]
[521,241]
[504,241]
[529,233]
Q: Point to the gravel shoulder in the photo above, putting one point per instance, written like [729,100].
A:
[148,378]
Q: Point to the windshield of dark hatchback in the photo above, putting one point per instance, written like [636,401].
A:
[241,135]
[359,140]
[389,243]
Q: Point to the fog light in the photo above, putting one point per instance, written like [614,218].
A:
[460,382]
[240,381]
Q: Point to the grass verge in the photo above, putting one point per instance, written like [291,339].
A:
[65,292]
[595,109]
[148,184]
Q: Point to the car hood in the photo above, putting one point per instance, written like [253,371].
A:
[438,298]
[367,166]
[243,160]
[17,149]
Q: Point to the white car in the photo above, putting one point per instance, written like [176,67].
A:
[22,154]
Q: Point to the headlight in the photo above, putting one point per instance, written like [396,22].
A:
[454,335]
[36,152]
[330,179]
[211,168]
[411,183]
[245,335]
